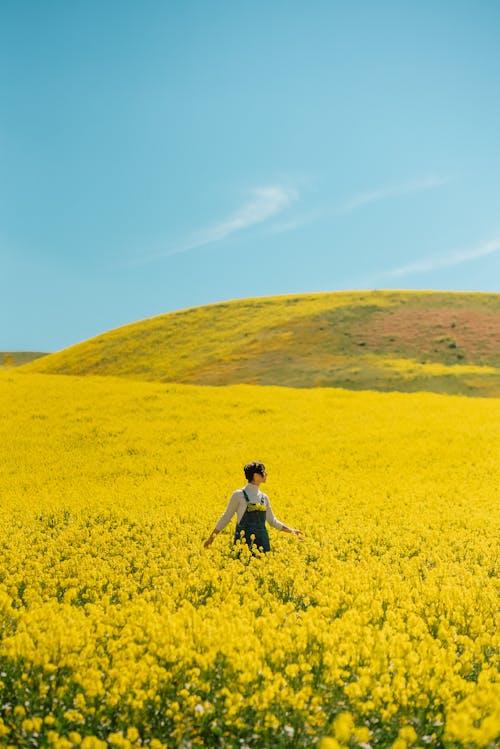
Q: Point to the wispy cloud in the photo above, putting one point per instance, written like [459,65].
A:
[297,222]
[359,200]
[445,261]
[264,203]
[393,191]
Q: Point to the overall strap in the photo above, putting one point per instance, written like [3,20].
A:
[247,498]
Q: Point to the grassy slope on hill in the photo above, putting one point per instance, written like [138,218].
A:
[382,340]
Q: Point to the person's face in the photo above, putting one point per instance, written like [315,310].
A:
[259,478]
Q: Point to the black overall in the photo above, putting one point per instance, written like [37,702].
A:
[253,523]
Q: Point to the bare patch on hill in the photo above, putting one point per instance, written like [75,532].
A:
[471,336]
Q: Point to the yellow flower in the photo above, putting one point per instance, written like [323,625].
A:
[343,727]
[408,733]
[399,743]
[92,742]
[132,733]
[327,742]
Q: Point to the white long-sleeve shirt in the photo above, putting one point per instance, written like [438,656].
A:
[238,504]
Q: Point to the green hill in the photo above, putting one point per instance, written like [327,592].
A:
[380,340]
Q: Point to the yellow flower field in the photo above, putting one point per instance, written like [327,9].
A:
[119,630]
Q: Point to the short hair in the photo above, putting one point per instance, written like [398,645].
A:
[254,467]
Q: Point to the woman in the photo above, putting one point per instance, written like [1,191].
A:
[252,508]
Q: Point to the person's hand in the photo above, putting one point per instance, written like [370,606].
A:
[209,540]
[298,533]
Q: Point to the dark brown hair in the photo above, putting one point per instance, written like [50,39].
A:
[254,467]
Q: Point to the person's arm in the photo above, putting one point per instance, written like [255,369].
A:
[224,518]
[295,531]
[275,523]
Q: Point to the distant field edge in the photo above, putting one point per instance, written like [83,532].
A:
[10,359]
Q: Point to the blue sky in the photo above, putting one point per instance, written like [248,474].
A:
[156,155]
